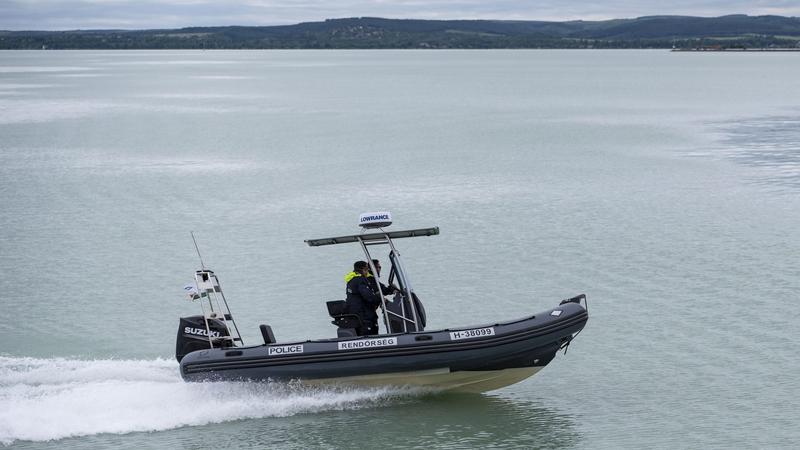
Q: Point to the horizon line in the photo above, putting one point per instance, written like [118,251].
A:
[385,18]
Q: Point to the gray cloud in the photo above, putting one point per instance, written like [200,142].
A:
[138,14]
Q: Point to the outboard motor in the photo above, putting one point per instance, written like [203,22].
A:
[193,335]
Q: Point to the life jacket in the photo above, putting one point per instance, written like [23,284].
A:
[350,276]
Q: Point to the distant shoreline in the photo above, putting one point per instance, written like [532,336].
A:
[726,33]
[740,50]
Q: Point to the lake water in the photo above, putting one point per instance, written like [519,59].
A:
[665,186]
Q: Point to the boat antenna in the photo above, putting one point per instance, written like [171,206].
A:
[202,265]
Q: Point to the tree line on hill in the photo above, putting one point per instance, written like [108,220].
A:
[735,31]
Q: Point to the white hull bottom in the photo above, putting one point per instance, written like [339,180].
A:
[439,379]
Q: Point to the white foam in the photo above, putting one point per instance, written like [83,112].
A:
[200,96]
[178,62]
[223,77]
[50,399]
[36,111]
[114,164]
[15,86]
[41,69]
[13,111]
[80,75]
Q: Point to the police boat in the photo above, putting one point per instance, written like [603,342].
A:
[477,358]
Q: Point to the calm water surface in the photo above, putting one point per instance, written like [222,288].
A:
[664,186]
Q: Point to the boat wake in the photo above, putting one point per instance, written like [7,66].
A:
[50,399]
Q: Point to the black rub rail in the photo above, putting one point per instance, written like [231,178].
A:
[245,363]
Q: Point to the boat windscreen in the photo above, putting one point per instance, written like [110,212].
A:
[433,231]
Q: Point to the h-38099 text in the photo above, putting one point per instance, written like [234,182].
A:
[473,333]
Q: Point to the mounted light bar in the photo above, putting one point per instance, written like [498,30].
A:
[433,231]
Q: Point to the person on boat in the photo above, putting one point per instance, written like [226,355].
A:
[385,290]
[362,300]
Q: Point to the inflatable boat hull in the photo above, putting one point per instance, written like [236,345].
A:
[474,359]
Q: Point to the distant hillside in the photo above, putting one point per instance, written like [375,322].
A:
[735,31]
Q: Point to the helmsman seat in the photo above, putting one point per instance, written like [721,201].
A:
[345,322]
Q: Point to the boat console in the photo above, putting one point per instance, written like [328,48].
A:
[403,313]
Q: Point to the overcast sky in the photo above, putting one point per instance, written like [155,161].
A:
[139,14]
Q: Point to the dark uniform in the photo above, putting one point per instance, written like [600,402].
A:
[362,301]
[386,290]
